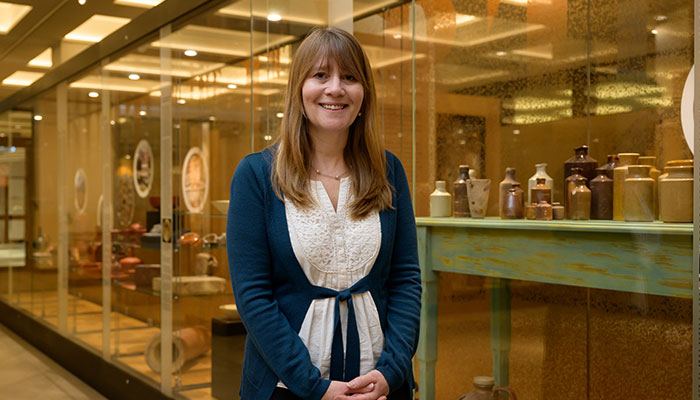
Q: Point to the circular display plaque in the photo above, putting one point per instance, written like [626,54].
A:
[80,190]
[688,109]
[143,169]
[195,180]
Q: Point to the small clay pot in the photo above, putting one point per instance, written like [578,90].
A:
[558,211]
[543,211]
[190,240]
[530,211]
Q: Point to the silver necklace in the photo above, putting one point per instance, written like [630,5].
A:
[336,177]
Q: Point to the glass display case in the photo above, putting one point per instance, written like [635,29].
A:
[114,188]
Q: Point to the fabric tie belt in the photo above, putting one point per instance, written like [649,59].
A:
[350,369]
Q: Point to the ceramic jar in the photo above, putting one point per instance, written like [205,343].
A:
[672,163]
[478,192]
[484,390]
[440,201]
[569,186]
[602,195]
[676,194]
[613,161]
[541,172]
[619,176]
[580,201]
[543,211]
[558,211]
[460,200]
[639,194]
[513,207]
[503,188]
[530,211]
[653,174]
[582,160]
[540,192]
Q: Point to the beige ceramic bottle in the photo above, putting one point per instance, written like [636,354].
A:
[484,390]
[440,201]
[639,194]
[672,163]
[653,174]
[619,175]
[676,194]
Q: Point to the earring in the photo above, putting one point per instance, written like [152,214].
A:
[359,114]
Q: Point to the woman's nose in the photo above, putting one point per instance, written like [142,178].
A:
[334,86]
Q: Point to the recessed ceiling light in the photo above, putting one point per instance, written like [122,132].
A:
[397,36]
[279,115]
[232,86]
[38,117]
[661,18]
[142,113]
[112,122]
[43,60]
[654,31]
[190,53]
[267,137]
[212,118]
[274,17]
[11,14]
[22,78]
[181,101]
[93,94]
[96,28]
[501,53]
[134,77]
[139,3]
[82,2]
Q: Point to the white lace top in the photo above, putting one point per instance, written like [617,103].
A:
[335,252]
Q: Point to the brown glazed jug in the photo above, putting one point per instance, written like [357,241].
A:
[613,160]
[639,194]
[541,192]
[484,390]
[513,207]
[580,201]
[619,175]
[676,194]
[543,211]
[503,187]
[460,198]
[582,160]
[570,185]
[602,195]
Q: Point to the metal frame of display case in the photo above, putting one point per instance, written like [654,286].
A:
[649,258]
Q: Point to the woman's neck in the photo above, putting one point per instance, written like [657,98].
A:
[328,152]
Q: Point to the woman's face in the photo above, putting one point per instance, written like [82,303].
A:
[331,98]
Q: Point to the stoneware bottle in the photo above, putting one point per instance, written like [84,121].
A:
[653,174]
[570,184]
[503,188]
[676,194]
[484,390]
[613,160]
[513,208]
[582,160]
[540,192]
[639,194]
[580,201]
[530,211]
[440,201]
[478,190]
[460,201]
[602,195]
[672,163]
[541,172]
[619,175]
[543,211]
[558,211]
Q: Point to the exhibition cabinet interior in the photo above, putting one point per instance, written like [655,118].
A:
[115,169]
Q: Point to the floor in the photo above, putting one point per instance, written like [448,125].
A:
[26,373]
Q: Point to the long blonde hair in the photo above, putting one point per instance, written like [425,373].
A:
[364,150]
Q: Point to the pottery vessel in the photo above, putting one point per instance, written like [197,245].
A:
[570,185]
[609,167]
[541,192]
[460,200]
[530,211]
[440,201]
[484,390]
[513,208]
[580,201]
[582,160]
[639,194]
[503,188]
[558,211]
[541,172]
[672,163]
[602,196]
[478,192]
[653,174]
[619,176]
[543,211]
[676,194]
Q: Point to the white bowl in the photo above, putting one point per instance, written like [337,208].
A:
[220,206]
[230,310]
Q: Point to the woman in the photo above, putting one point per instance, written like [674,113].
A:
[322,241]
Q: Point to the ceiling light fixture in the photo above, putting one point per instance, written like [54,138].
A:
[43,60]
[190,53]
[142,113]
[501,53]
[181,101]
[134,77]
[654,31]
[661,18]
[96,28]
[232,86]
[212,118]
[38,117]
[93,94]
[279,115]
[274,17]
[11,14]
[82,2]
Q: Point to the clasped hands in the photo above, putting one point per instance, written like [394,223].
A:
[370,386]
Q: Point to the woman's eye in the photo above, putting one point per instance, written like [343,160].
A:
[350,78]
[320,75]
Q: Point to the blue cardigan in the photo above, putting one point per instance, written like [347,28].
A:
[273,294]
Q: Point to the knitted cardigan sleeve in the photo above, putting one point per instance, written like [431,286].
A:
[250,264]
[404,288]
